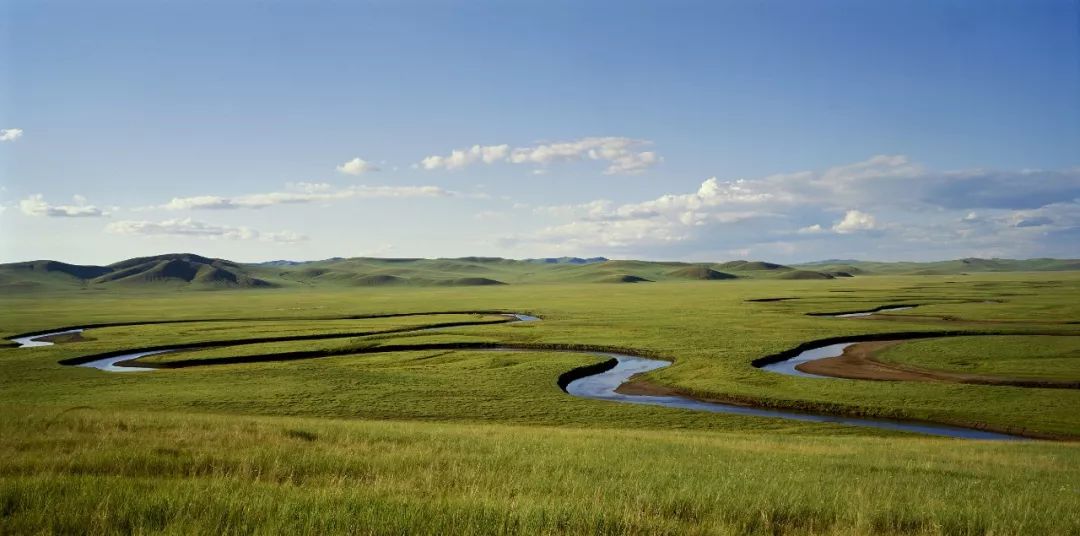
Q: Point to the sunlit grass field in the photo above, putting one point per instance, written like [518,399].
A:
[101,471]
[470,441]
[1014,356]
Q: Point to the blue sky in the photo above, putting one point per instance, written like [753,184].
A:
[784,131]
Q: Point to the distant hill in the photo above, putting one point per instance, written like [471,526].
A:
[55,267]
[804,274]
[751,266]
[953,267]
[567,260]
[182,269]
[700,271]
[829,261]
[190,271]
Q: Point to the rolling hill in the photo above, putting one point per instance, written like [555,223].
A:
[190,271]
[951,267]
[183,269]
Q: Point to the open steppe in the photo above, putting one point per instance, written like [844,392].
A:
[448,437]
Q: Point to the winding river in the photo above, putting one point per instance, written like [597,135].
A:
[602,384]
[788,366]
[30,341]
[859,314]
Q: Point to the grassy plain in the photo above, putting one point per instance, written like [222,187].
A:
[1007,356]
[484,441]
[136,472]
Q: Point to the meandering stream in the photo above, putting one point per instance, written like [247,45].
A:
[787,366]
[603,385]
[858,314]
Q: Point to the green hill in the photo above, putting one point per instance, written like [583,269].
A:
[804,274]
[699,272]
[951,267]
[189,271]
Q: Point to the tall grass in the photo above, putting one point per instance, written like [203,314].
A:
[128,472]
[485,442]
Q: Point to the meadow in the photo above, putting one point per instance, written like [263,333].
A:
[472,441]
[1015,356]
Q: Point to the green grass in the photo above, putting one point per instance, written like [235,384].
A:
[128,472]
[484,441]
[1008,356]
[188,332]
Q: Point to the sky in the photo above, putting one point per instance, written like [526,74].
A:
[785,131]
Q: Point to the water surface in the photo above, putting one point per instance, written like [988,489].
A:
[602,386]
[787,366]
[858,314]
[35,340]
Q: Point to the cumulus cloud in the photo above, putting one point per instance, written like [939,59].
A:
[855,221]
[460,158]
[692,207]
[665,220]
[188,227]
[632,163]
[35,205]
[301,193]
[622,154]
[894,180]
[984,210]
[357,166]
[10,134]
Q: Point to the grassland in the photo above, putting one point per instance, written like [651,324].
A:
[136,472]
[1006,356]
[484,441]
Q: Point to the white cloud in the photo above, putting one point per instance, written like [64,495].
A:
[855,221]
[713,199]
[35,205]
[200,202]
[622,154]
[668,219]
[586,235]
[1052,217]
[10,134]
[936,209]
[357,166]
[309,187]
[304,192]
[632,163]
[196,229]
[875,167]
[460,158]
[896,181]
